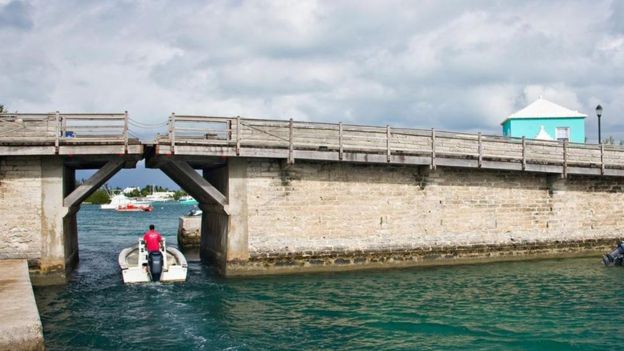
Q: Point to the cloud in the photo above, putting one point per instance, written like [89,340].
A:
[449,65]
[15,14]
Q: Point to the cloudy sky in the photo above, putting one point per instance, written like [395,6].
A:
[453,65]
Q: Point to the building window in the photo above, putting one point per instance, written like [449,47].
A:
[563,133]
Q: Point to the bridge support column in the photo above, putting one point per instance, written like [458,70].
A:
[59,235]
[60,202]
[222,196]
[224,236]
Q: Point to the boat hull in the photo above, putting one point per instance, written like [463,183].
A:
[132,261]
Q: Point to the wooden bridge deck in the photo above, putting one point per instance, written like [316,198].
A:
[292,140]
[66,134]
[107,134]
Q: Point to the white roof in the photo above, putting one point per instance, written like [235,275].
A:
[542,108]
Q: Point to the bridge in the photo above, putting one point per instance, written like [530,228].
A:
[285,196]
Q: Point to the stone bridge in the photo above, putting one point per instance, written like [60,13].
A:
[283,196]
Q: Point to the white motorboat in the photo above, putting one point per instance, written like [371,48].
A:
[137,267]
[120,201]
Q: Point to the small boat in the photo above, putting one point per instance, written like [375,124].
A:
[616,257]
[116,201]
[187,200]
[194,212]
[136,267]
[121,200]
[134,208]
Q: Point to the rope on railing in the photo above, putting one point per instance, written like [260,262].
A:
[264,132]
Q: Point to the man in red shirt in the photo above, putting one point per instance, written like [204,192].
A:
[152,239]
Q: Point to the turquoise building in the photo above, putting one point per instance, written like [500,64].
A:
[546,120]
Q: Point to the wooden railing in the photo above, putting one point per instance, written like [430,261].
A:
[64,127]
[342,138]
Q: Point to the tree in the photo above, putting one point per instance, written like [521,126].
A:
[134,193]
[178,194]
[2,109]
[609,141]
[100,196]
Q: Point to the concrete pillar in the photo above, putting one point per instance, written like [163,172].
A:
[224,235]
[59,242]
[238,244]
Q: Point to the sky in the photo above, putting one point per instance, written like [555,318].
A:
[450,65]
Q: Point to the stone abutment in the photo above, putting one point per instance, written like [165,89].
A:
[320,216]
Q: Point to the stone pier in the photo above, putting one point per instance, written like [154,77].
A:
[189,232]
[319,216]
[20,326]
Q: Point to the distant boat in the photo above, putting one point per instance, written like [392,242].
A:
[194,212]
[121,200]
[134,208]
[187,200]
[116,201]
[160,196]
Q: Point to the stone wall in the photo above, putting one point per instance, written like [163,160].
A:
[21,207]
[35,225]
[302,214]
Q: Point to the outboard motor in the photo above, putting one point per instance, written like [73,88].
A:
[155,260]
[616,257]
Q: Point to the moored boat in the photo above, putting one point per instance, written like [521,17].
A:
[187,200]
[135,266]
[121,200]
[134,208]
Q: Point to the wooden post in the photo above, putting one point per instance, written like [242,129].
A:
[433,153]
[480,150]
[523,153]
[291,158]
[238,135]
[565,159]
[340,149]
[63,126]
[602,165]
[388,152]
[57,131]
[125,132]
[172,132]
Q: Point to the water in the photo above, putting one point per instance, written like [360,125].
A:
[573,304]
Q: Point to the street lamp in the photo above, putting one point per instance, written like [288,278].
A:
[599,113]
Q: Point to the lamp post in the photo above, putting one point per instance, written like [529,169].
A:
[599,113]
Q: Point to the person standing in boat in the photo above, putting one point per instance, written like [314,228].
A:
[152,239]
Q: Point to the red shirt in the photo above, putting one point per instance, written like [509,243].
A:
[152,240]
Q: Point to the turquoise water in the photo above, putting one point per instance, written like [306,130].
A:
[573,304]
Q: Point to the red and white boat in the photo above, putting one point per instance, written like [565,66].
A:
[130,207]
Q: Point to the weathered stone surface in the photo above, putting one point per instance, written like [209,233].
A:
[21,207]
[358,213]
[35,226]
[444,255]
[20,326]
[189,231]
